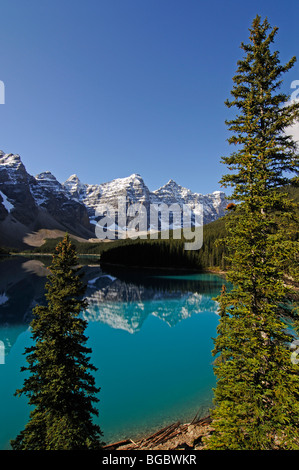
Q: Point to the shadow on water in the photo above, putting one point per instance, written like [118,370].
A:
[170,280]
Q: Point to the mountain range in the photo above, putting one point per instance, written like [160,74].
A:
[32,204]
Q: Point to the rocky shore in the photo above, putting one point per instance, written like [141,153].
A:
[176,436]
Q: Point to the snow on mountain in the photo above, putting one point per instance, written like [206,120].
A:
[49,181]
[44,186]
[8,206]
[172,193]
[15,186]
[214,204]
[131,187]
[135,190]
[12,166]
[74,186]
[43,202]
[29,203]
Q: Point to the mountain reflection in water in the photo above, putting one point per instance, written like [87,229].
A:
[120,298]
[151,339]
[124,300]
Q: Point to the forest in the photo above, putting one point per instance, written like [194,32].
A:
[171,253]
[163,253]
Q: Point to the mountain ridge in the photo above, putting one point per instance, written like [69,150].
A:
[135,190]
[31,203]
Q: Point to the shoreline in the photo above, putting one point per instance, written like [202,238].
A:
[123,266]
[176,436]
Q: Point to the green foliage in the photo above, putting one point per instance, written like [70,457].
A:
[169,252]
[256,397]
[162,252]
[212,253]
[152,253]
[60,386]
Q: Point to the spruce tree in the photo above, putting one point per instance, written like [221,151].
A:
[257,387]
[60,385]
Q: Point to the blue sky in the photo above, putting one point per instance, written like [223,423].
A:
[107,88]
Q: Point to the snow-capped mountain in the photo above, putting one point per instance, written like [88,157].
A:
[135,190]
[15,186]
[29,203]
[214,204]
[132,187]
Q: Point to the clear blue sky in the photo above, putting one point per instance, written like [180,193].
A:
[106,88]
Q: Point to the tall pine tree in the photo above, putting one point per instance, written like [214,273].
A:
[60,386]
[257,389]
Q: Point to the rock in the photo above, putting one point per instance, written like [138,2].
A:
[28,204]
[33,203]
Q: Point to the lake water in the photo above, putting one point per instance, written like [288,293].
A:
[151,338]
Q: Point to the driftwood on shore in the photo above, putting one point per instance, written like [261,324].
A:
[182,435]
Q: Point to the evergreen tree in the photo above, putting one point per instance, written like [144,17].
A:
[257,390]
[60,385]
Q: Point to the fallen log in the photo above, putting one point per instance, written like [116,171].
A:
[114,445]
[160,435]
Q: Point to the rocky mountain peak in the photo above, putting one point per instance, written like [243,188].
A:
[42,201]
[74,187]
[11,168]
[47,180]
[35,203]
[134,179]
[73,179]
[9,159]
[171,182]
[46,176]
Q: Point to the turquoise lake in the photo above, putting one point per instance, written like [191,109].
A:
[151,335]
